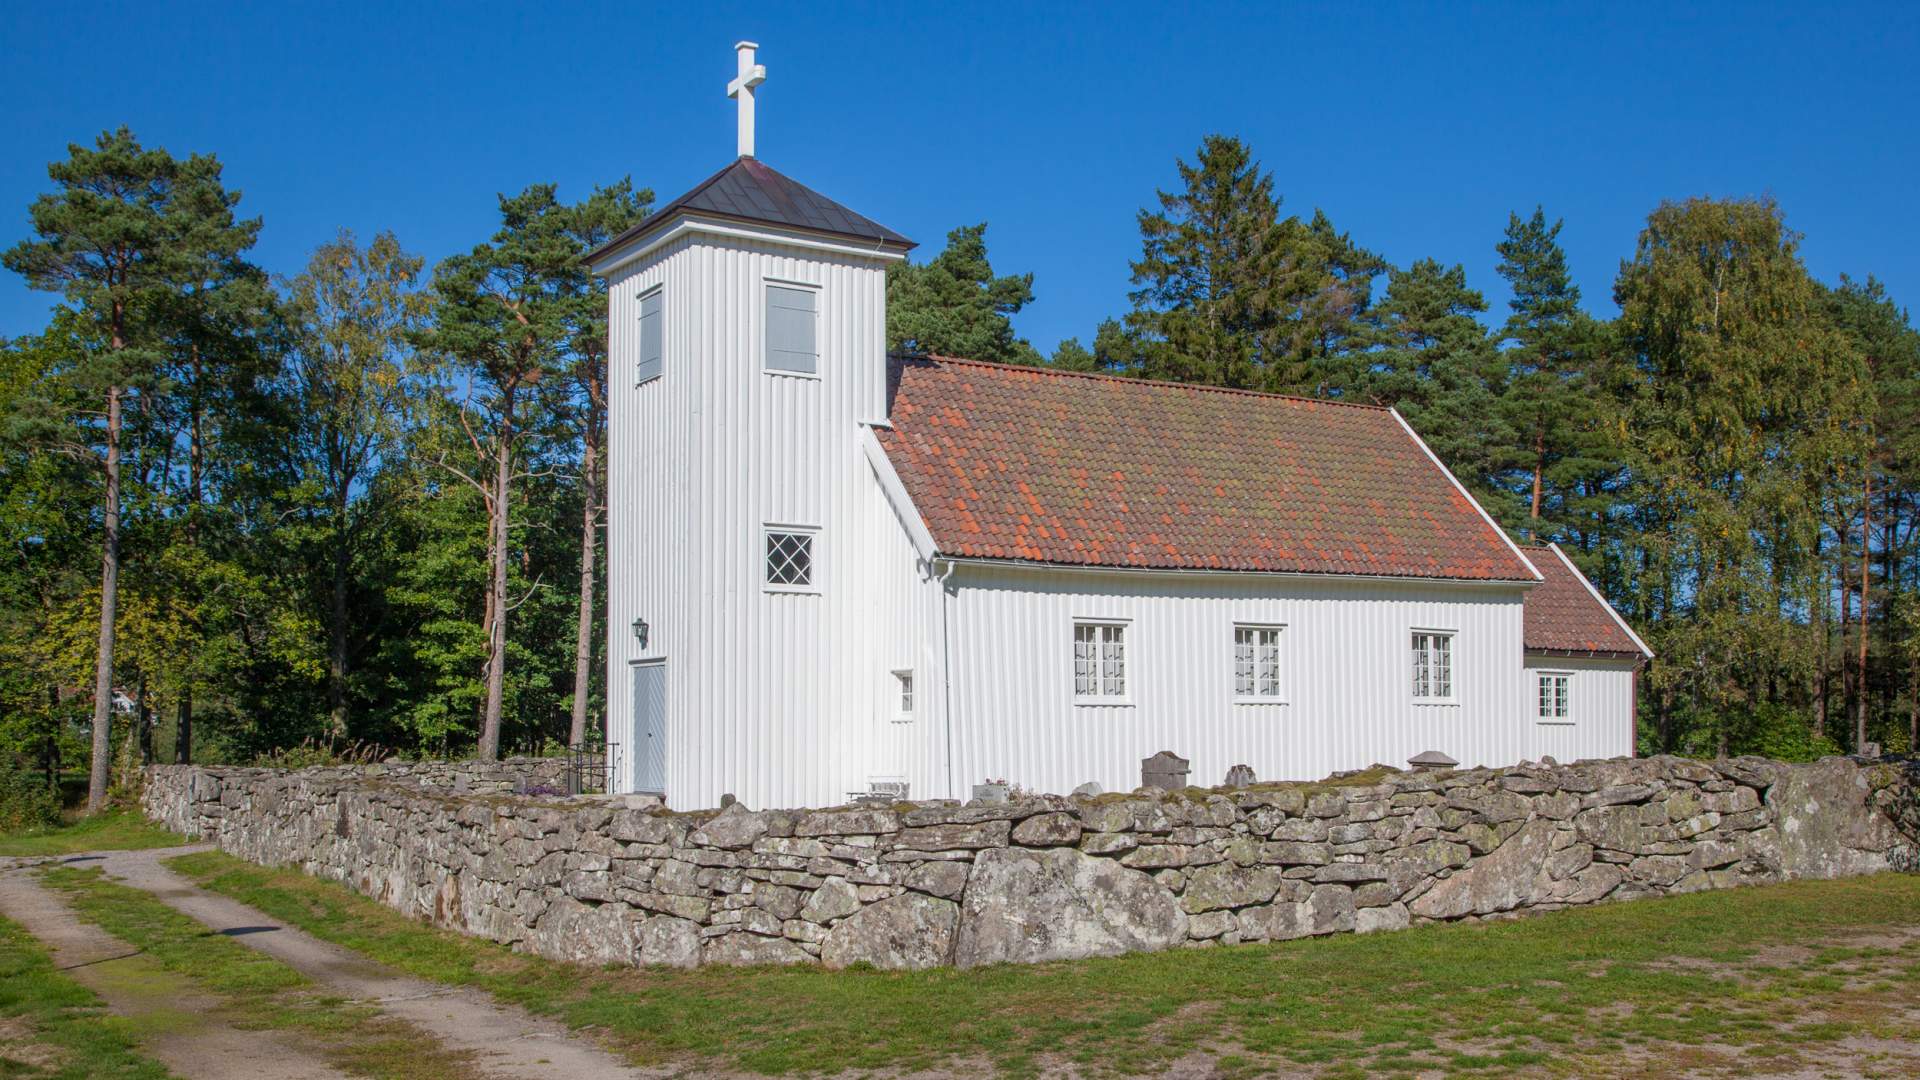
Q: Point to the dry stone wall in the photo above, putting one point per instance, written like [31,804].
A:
[601,880]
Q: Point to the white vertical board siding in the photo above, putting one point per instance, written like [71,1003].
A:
[906,619]
[1600,697]
[700,460]
[1345,655]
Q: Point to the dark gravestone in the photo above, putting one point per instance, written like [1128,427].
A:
[1165,770]
[1431,759]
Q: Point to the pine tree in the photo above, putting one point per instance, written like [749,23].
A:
[126,231]
[1205,269]
[1230,294]
[598,219]
[1434,362]
[1551,346]
[953,305]
[503,317]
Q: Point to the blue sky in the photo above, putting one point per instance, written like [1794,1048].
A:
[1416,127]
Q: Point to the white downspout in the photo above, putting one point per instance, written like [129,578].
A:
[946,672]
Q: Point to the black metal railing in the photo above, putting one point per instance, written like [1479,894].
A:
[590,768]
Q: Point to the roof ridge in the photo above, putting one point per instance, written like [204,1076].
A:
[1161,383]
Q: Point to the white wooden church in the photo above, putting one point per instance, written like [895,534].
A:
[833,572]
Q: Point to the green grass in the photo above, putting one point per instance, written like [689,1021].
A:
[121,829]
[52,1027]
[257,991]
[1587,992]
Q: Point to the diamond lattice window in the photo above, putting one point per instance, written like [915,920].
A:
[790,559]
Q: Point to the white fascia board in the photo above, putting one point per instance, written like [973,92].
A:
[897,497]
[1601,600]
[690,223]
[1181,572]
[1468,495]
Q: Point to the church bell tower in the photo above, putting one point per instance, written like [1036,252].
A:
[746,357]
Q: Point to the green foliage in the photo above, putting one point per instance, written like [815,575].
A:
[27,800]
[953,305]
[1230,294]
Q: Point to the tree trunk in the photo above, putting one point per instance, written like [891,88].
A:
[143,715]
[489,749]
[1823,648]
[337,633]
[1846,618]
[1539,467]
[1866,564]
[589,542]
[183,729]
[109,595]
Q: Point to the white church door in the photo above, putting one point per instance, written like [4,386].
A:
[650,727]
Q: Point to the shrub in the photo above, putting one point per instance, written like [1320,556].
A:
[311,753]
[26,799]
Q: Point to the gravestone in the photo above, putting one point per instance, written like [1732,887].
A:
[1431,759]
[1091,787]
[1165,770]
[1240,776]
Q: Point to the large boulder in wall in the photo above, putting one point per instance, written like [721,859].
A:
[1826,821]
[910,931]
[588,934]
[1508,877]
[1061,904]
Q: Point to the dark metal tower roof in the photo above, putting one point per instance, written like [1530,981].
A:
[751,191]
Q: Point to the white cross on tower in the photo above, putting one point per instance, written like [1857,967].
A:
[741,90]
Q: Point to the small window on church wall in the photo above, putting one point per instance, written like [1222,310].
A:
[790,565]
[791,322]
[1256,663]
[1554,699]
[652,342]
[903,681]
[1099,661]
[1432,665]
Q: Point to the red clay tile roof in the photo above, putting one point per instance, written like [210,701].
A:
[1056,467]
[1564,615]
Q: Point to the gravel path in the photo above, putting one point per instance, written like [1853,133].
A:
[180,1026]
[506,1041]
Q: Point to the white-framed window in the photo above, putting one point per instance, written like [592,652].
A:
[792,559]
[652,338]
[1256,663]
[1433,665]
[792,324]
[1099,662]
[903,687]
[1553,697]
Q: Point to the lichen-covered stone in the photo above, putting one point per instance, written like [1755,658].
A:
[835,898]
[741,949]
[1047,830]
[618,880]
[1501,881]
[1229,885]
[668,941]
[907,932]
[1060,904]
